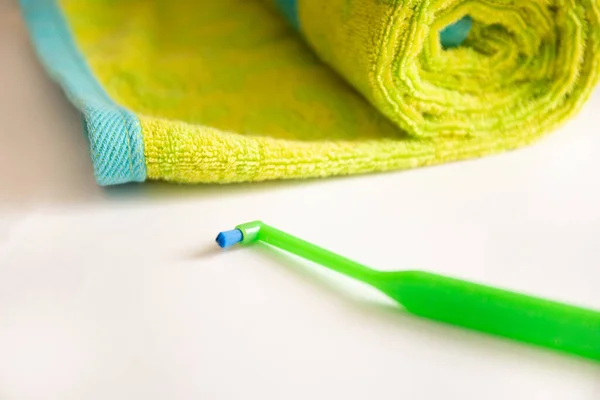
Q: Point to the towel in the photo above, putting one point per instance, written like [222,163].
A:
[251,90]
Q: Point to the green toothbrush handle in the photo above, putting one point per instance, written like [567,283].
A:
[542,322]
[483,308]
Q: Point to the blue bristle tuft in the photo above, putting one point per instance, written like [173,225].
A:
[229,238]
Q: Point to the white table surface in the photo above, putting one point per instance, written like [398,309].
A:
[121,294]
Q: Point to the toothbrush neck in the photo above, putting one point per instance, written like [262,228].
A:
[314,253]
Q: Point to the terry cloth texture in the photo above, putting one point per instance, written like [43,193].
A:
[250,90]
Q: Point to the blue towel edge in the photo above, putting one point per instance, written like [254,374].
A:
[115,133]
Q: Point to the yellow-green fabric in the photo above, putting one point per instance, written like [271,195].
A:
[227,91]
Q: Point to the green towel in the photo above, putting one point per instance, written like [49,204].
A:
[249,90]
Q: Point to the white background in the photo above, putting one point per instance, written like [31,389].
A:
[121,293]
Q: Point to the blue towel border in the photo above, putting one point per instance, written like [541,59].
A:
[115,133]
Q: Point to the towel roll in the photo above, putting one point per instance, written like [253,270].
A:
[523,68]
[224,91]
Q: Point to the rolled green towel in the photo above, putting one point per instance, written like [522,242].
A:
[524,67]
[226,91]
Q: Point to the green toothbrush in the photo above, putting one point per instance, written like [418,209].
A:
[516,316]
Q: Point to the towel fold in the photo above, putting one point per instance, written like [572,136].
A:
[249,90]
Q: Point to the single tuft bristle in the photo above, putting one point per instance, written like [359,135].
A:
[229,238]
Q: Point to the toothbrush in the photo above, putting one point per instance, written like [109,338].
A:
[494,311]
